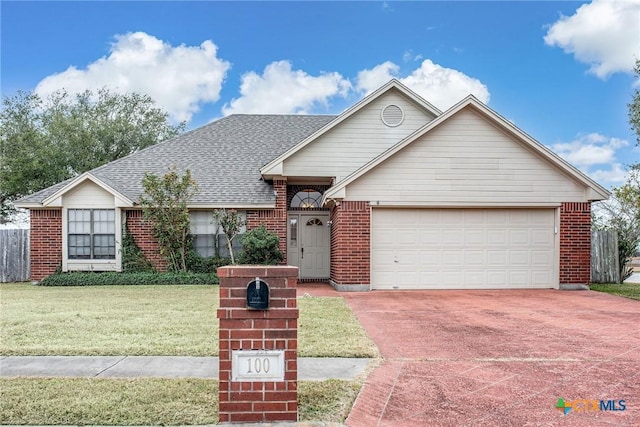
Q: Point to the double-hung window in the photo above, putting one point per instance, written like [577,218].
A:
[91,233]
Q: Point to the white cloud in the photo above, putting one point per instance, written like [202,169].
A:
[441,86]
[590,149]
[615,175]
[594,149]
[179,79]
[281,90]
[370,80]
[410,56]
[604,34]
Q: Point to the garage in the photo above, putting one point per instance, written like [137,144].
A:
[463,248]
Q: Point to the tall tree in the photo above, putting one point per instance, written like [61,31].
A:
[45,141]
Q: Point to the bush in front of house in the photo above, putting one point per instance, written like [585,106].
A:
[200,264]
[113,278]
[260,246]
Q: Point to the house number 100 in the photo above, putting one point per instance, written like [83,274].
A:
[258,365]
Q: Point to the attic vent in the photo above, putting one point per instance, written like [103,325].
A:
[392,115]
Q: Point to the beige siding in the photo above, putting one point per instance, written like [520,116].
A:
[88,195]
[466,160]
[357,140]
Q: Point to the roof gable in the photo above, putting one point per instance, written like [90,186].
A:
[55,199]
[277,166]
[590,189]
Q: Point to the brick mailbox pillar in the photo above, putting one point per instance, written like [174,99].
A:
[258,346]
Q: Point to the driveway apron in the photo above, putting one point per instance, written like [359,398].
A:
[501,358]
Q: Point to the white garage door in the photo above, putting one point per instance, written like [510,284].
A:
[463,248]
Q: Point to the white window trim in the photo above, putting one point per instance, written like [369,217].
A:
[91,264]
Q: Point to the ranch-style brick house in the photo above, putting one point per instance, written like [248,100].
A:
[391,194]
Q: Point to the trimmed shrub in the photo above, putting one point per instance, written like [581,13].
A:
[199,264]
[260,246]
[113,278]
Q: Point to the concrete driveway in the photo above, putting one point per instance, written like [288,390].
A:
[499,358]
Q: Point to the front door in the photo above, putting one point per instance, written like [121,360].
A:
[308,237]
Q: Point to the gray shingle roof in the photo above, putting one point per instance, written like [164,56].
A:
[224,157]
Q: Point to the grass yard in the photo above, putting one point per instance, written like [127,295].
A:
[108,320]
[147,401]
[627,290]
[152,320]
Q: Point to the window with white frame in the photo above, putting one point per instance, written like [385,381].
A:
[203,231]
[208,238]
[91,233]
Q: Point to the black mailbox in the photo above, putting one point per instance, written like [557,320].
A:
[258,295]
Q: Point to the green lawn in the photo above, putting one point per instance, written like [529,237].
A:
[148,401]
[627,290]
[152,320]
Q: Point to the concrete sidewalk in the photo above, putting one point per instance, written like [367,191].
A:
[309,368]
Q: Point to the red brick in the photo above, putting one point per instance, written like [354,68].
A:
[350,243]
[247,329]
[238,417]
[142,232]
[281,416]
[270,406]
[575,243]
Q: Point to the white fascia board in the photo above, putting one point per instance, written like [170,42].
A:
[55,200]
[397,204]
[335,196]
[28,205]
[393,83]
[272,170]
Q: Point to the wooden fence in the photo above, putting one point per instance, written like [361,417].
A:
[605,265]
[14,255]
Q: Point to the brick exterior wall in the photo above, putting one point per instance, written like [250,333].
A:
[45,242]
[351,243]
[142,232]
[274,220]
[575,243]
[272,329]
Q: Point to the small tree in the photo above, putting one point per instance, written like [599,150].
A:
[231,223]
[164,204]
[621,214]
[259,246]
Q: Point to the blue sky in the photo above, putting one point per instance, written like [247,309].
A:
[561,71]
